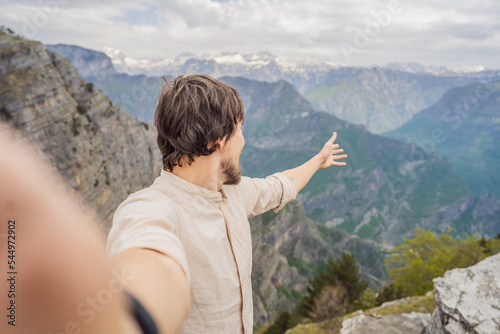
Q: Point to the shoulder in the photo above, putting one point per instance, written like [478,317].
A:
[148,202]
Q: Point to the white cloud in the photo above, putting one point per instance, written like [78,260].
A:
[425,31]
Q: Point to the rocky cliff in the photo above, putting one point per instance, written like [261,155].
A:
[91,65]
[136,94]
[410,323]
[468,300]
[103,153]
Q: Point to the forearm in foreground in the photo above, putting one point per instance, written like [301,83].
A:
[159,283]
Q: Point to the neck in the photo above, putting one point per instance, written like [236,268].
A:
[204,171]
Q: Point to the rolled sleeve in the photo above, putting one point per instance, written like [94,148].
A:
[261,195]
[140,224]
[288,191]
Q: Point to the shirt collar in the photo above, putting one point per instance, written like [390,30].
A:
[191,188]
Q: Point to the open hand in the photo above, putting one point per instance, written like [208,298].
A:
[330,153]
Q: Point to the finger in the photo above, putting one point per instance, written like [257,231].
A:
[337,157]
[337,163]
[335,146]
[337,151]
[332,139]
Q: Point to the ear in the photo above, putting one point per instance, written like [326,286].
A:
[219,144]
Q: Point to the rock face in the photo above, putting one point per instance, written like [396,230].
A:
[103,153]
[91,65]
[411,323]
[136,94]
[468,300]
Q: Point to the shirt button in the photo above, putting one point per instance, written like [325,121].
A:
[242,284]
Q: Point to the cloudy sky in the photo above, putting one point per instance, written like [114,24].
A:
[449,32]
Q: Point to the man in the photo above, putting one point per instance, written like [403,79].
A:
[191,225]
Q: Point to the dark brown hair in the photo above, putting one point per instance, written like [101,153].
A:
[192,112]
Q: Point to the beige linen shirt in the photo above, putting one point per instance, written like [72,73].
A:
[208,234]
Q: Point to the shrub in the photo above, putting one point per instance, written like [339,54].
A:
[330,306]
[417,261]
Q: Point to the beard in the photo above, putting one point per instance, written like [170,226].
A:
[231,171]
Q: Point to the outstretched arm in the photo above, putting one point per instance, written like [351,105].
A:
[325,158]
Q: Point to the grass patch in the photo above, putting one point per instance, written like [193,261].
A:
[421,304]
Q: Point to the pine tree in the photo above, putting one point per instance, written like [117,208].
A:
[313,291]
[346,274]
[280,325]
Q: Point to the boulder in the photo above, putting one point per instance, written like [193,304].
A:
[468,300]
[411,323]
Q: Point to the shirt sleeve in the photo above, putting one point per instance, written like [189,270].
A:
[143,223]
[261,195]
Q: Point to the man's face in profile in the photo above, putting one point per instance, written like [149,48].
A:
[230,163]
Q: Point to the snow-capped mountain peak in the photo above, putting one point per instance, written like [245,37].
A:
[469,69]
[227,63]
[412,67]
[260,65]
[135,66]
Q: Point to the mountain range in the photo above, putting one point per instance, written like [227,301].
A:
[382,98]
[379,98]
[387,96]
[396,184]
[388,187]
[251,62]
